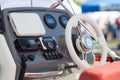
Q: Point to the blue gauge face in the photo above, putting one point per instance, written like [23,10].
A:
[63,20]
[50,21]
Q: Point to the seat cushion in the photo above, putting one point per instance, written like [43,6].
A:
[110,71]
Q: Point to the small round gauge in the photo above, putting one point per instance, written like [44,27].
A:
[63,20]
[50,21]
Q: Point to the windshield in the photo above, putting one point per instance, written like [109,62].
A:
[38,3]
[26,3]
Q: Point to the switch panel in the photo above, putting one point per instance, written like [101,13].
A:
[52,55]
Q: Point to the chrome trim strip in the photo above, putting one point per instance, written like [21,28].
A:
[43,74]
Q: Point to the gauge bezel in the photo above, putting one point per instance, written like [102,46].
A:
[61,20]
[50,25]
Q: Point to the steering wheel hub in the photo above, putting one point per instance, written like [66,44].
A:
[86,43]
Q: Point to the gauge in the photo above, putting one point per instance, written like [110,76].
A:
[63,20]
[50,21]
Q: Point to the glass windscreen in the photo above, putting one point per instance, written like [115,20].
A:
[40,3]
[26,3]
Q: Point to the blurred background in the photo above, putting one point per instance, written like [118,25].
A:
[107,14]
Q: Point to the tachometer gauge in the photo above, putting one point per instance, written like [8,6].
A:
[63,20]
[50,21]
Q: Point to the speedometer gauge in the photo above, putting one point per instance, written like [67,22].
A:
[50,21]
[63,20]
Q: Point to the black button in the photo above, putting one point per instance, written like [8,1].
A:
[50,55]
[57,55]
[47,57]
[60,55]
[54,55]
[31,57]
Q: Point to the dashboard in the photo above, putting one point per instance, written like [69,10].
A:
[41,51]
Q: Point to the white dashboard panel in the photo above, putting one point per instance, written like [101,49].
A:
[27,24]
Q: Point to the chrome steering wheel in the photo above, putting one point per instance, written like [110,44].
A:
[84,43]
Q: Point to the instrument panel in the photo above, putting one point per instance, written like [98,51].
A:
[46,53]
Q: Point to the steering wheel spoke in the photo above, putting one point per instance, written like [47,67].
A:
[78,30]
[83,55]
[88,30]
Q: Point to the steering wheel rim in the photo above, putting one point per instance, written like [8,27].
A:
[73,21]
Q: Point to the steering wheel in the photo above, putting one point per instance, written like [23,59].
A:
[84,43]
